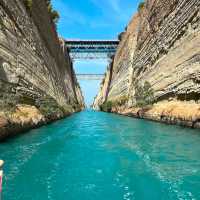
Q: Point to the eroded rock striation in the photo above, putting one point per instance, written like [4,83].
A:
[160,50]
[37,81]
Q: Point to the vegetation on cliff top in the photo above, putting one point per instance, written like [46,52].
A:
[141,6]
[28,4]
[120,36]
[54,15]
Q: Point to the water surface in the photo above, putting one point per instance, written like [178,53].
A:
[101,156]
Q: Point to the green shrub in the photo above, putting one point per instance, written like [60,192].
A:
[106,107]
[27,100]
[144,95]
[2,25]
[120,36]
[28,4]
[123,100]
[8,97]
[8,102]
[141,6]
[120,101]
[49,107]
[67,109]
[54,15]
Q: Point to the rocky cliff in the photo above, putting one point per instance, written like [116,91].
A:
[37,81]
[155,73]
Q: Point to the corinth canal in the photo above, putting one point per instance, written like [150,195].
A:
[119,58]
[94,155]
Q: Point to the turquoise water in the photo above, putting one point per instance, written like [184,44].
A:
[101,156]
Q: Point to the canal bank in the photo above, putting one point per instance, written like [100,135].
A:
[174,112]
[96,155]
[155,71]
[38,84]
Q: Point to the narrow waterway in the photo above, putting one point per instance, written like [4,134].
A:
[100,156]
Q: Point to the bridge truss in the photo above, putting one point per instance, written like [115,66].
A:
[90,76]
[91,49]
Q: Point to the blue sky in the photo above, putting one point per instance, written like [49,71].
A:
[93,19]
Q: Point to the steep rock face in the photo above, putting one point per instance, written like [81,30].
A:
[122,65]
[102,95]
[166,53]
[168,50]
[118,77]
[35,68]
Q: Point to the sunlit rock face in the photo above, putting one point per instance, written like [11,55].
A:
[168,49]
[34,64]
[161,46]
[122,64]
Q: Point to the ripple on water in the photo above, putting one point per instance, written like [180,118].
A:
[94,155]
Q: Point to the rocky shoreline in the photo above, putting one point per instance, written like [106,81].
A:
[163,119]
[19,124]
[38,84]
[172,113]
[13,129]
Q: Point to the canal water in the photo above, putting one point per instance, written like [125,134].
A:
[100,156]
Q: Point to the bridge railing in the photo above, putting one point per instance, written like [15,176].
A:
[90,76]
[91,49]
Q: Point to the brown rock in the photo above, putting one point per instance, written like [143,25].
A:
[3,122]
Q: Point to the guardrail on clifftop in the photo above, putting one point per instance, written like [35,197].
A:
[1,177]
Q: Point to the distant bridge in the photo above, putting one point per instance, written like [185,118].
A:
[90,76]
[91,49]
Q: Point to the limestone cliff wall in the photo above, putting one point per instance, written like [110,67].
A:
[104,88]
[163,49]
[122,64]
[35,68]
[168,51]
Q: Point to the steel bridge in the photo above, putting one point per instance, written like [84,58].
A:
[91,49]
[90,76]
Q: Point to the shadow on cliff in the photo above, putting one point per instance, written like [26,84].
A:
[3,75]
